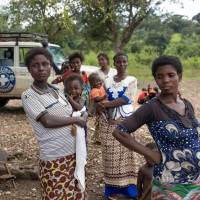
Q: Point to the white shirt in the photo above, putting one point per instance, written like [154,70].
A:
[103,76]
[54,143]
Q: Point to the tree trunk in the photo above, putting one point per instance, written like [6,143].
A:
[117,49]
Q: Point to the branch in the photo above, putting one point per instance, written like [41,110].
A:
[129,30]
[111,26]
[105,37]
[131,13]
[56,32]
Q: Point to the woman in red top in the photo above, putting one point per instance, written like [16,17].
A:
[76,60]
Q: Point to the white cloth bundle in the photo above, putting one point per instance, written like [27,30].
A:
[81,153]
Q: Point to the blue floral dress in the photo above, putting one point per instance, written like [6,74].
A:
[178,140]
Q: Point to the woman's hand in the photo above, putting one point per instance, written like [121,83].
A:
[156,157]
[106,96]
[99,107]
[81,121]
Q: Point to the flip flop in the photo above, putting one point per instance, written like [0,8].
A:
[111,197]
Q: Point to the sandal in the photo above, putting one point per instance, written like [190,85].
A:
[112,197]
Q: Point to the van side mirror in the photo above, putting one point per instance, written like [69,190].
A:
[45,42]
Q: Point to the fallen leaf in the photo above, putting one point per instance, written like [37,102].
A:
[7,193]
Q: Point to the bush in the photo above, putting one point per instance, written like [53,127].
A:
[197,30]
[160,40]
[136,47]
[186,32]
[181,48]
[192,51]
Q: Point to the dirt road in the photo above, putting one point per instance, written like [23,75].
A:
[17,136]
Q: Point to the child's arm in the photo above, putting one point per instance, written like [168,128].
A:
[98,99]
[139,182]
[76,105]
[59,79]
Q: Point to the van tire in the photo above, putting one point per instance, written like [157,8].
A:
[3,102]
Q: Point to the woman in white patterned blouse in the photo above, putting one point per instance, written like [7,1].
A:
[119,164]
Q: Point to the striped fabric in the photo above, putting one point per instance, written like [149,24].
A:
[54,143]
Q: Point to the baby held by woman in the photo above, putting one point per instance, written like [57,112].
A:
[98,93]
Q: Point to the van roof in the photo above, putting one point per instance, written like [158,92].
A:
[25,44]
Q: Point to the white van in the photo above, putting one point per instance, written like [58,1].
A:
[14,75]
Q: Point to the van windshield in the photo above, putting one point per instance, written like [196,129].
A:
[58,54]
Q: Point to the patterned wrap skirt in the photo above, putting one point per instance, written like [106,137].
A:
[57,179]
[120,165]
[175,192]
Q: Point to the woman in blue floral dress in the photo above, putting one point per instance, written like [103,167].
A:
[176,131]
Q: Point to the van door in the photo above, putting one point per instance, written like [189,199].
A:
[23,78]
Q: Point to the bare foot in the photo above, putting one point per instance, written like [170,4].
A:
[111,121]
[74,128]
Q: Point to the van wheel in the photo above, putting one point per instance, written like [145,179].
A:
[3,102]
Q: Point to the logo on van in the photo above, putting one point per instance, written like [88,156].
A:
[7,79]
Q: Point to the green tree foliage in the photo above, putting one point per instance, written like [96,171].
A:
[182,48]
[192,51]
[4,26]
[160,40]
[179,22]
[197,30]
[115,20]
[136,47]
[42,16]
[186,32]
[176,23]
[154,32]
[196,18]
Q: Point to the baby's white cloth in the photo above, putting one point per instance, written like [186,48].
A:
[81,153]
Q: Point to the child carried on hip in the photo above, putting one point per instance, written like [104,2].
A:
[98,94]
[74,87]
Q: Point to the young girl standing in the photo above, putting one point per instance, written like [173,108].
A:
[66,67]
[105,71]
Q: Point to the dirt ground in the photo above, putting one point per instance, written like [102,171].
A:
[17,135]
